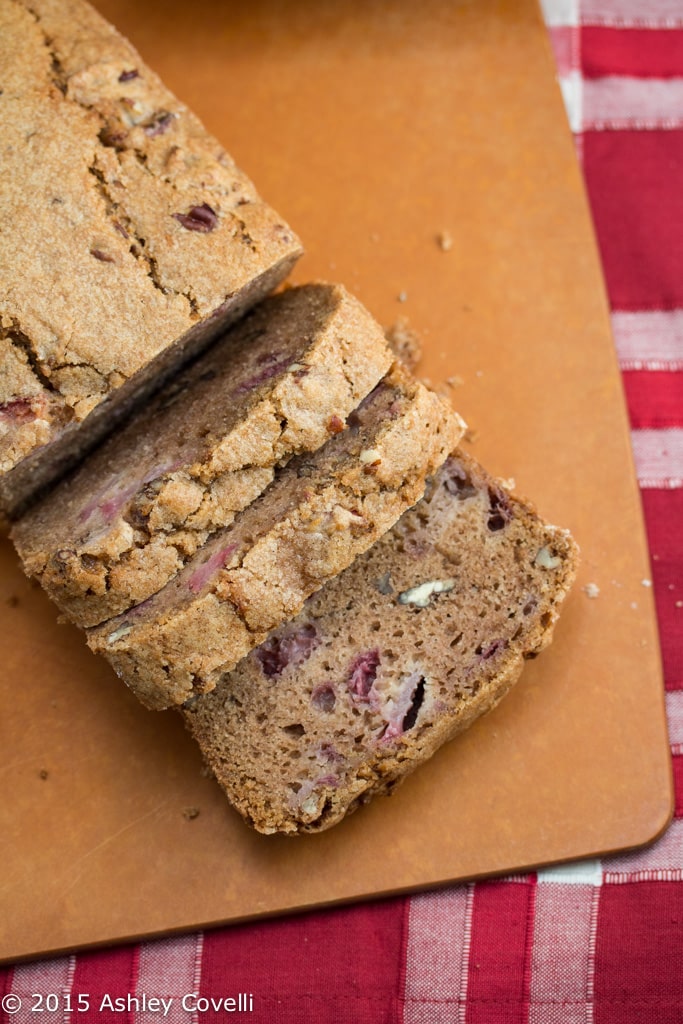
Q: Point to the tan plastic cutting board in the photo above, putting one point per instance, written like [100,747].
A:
[372,126]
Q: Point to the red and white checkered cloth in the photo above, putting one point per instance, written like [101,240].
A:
[596,941]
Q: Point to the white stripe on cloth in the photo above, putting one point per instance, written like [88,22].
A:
[34,982]
[658,456]
[562,961]
[630,13]
[674,717]
[580,872]
[618,101]
[168,969]
[572,86]
[649,340]
[662,861]
[565,42]
[560,12]
[437,958]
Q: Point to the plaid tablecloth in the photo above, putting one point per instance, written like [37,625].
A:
[593,941]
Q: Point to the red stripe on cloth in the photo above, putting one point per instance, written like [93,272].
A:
[633,181]
[5,987]
[105,977]
[652,53]
[655,398]
[500,953]
[638,974]
[663,518]
[677,762]
[343,965]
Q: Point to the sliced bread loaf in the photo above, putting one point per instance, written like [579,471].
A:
[425,632]
[320,512]
[279,383]
[129,238]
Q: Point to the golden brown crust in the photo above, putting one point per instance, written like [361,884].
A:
[133,227]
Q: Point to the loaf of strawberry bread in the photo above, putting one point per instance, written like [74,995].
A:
[129,238]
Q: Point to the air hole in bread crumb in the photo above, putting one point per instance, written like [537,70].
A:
[415,705]
[296,730]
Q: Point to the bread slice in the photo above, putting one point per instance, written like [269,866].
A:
[321,511]
[279,383]
[130,239]
[425,632]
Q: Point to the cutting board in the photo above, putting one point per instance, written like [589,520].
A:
[382,130]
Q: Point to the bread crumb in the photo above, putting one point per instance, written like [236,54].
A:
[646,583]
[404,342]
[190,813]
[444,240]
[43,773]
[591,590]
[402,296]
[679,604]
[456,381]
